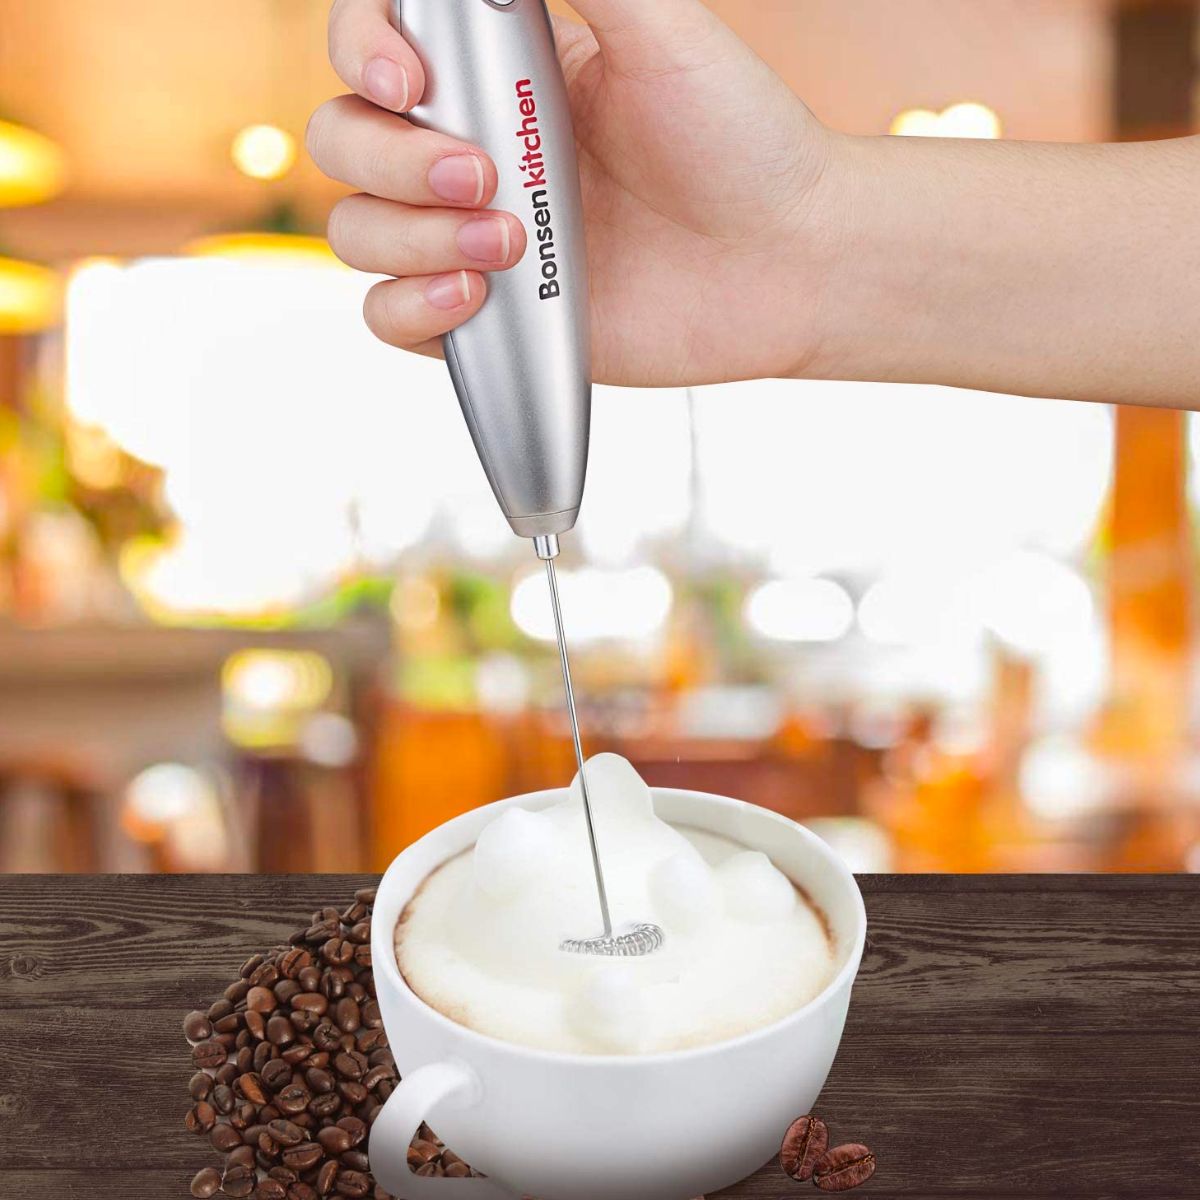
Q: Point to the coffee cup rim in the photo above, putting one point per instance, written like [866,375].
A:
[844,976]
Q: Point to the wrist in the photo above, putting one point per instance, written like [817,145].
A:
[844,243]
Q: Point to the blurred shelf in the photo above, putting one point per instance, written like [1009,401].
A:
[92,653]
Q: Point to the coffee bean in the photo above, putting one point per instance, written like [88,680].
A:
[362,955]
[327,1177]
[252,1133]
[238,1181]
[242,1156]
[224,1138]
[303,1156]
[293,1099]
[200,1085]
[375,1076]
[201,1117]
[352,1183]
[369,1040]
[320,1082]
[276,1074]
[261,1000]
[270,1189]
[347,1015]
[285,1175]
[429,1169]
[264,1053]
[251,965]
[366,895]
[251,1086]
[337,951]
[280,1031]
[309,978]
[205,1183]
[303,1022]
[806,1140]
[228,1040]
[360,933]
[256,1023]
[244,1115]
[268,1113]
[350,1065]
[208,1054]
[312,1002]
[327,1037]
[353,1093]
[285,1133]
[226,1073]
[353,914]
[237,991]
[301,1191]
[222,1099]
[245,1060]
[293,961]
[334,1140]
[296,1054]
[320,932]
[421,1151]
[458,1170]
[843,1168]
[318,1061]
[285,990]
[372,1018]
[197,1027]
[265,976]
[355,1128]
[356,1160]
[268,1148]
[219,1009]
[325,1106]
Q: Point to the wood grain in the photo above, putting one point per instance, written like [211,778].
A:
[1009,1036]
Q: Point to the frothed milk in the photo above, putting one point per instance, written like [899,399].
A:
[479,942]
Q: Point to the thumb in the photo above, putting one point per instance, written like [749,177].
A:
[647,34]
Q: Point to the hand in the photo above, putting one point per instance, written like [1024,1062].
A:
[701,173]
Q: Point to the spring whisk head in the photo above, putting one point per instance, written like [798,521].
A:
[636,942]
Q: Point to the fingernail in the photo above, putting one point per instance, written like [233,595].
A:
[386,83]
[449,291]
[486,240]
[458,178]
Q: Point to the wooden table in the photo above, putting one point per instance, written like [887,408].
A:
[1009,1036]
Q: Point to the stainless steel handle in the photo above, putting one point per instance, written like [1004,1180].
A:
[522,365]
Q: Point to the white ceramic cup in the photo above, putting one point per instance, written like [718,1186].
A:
[578,1127]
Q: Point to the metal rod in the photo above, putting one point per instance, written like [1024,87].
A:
[583,787]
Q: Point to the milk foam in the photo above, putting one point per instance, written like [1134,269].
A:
[479,941]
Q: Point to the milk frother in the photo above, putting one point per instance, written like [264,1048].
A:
[522,365]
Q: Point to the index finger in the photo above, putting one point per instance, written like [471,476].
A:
[371,57]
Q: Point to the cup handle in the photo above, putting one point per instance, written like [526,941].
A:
[396,1125]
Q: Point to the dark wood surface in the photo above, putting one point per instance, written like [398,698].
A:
[1009,1035]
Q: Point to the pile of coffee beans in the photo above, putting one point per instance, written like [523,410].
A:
[806,1155]
[293,1066]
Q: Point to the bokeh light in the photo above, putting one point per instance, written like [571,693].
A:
[264,151]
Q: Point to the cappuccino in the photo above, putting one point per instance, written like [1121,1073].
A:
[479,941]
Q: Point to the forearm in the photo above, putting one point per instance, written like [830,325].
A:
[1068,271]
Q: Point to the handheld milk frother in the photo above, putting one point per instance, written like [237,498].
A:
[522,365]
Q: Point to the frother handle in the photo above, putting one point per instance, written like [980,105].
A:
[415,1098]
[522,365]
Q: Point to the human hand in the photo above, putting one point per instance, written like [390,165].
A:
[701,175]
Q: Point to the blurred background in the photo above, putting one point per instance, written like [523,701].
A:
[259,611]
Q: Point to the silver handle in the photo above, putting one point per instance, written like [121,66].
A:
[522,365]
